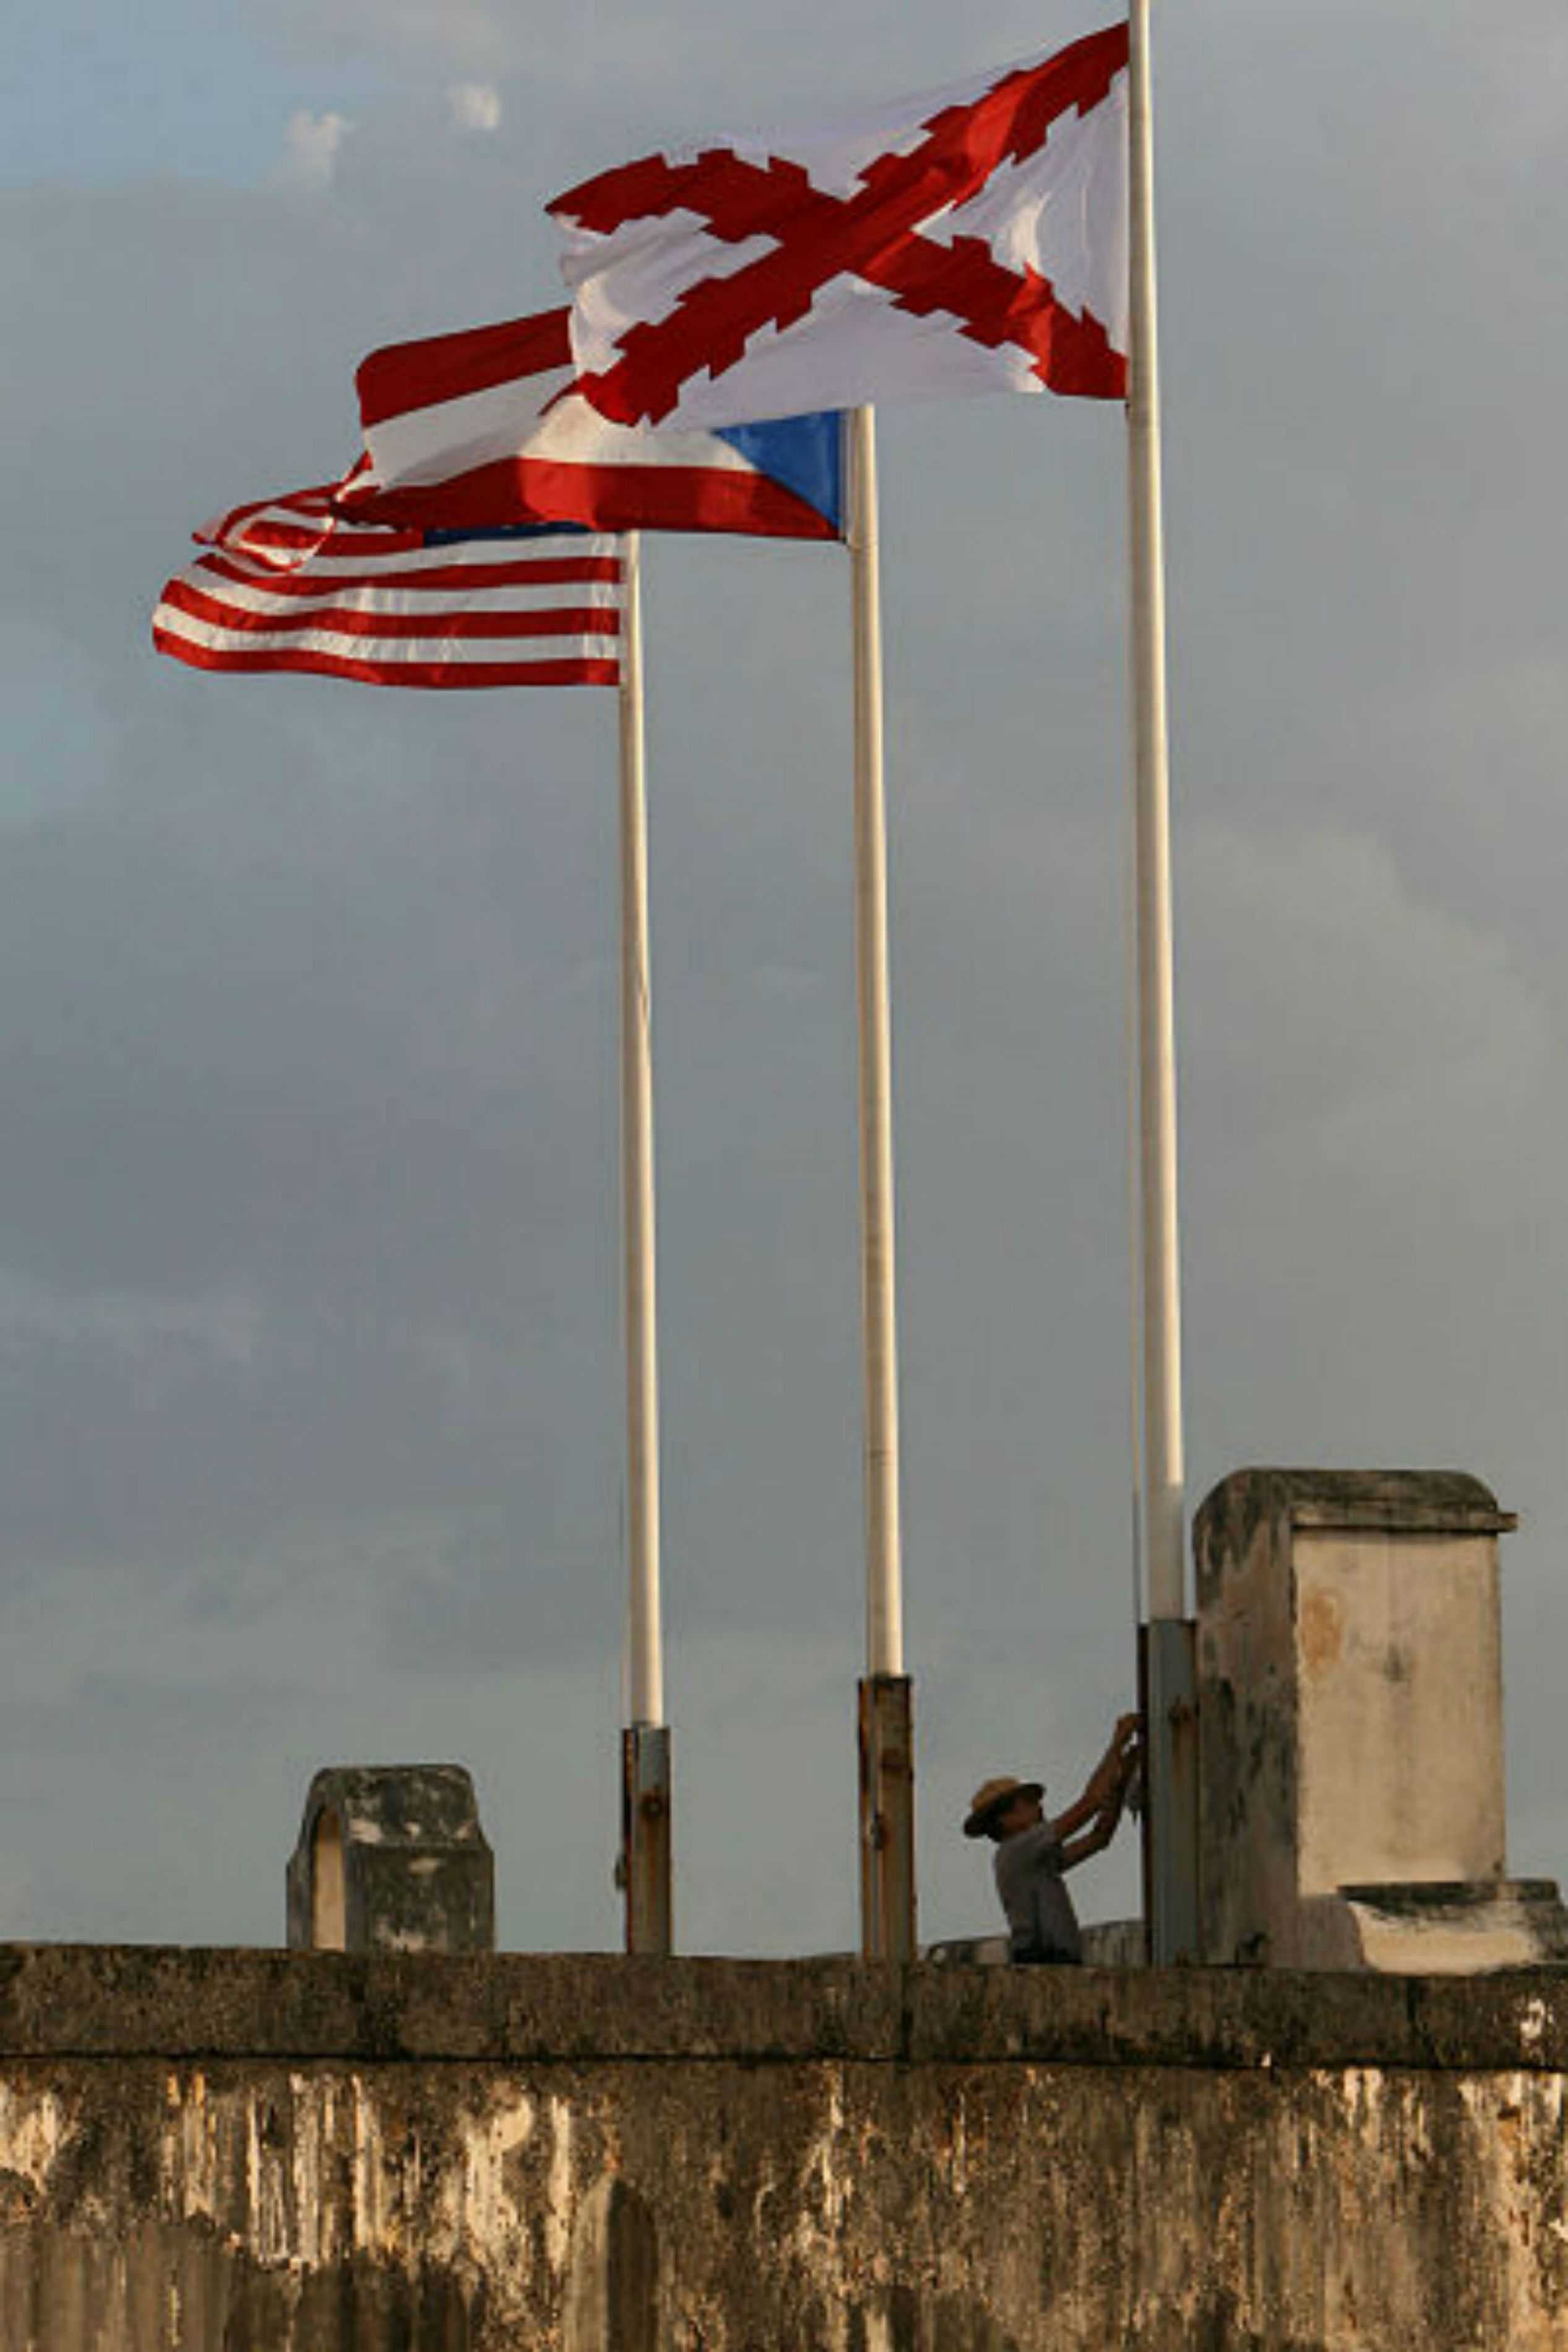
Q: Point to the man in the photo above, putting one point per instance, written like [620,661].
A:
[1032,1852]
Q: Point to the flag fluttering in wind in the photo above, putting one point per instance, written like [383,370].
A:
[971,241]
[289,584]
[486,426]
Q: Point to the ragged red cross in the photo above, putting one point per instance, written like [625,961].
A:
[873,234]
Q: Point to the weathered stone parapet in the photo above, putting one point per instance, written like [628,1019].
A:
[1351,1726]
[107,2001]
[260,2152]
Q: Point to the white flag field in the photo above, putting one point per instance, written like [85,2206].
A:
[974,240]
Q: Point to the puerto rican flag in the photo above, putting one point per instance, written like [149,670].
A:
[488,426]
[971,241]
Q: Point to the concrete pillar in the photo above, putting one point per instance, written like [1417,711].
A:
[1350,1693]
[391,1858]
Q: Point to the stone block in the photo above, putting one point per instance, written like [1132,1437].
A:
[1350,1693]
[390,1857]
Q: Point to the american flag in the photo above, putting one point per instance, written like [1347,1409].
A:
[290,584]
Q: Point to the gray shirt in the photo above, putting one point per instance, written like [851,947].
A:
[1043,1924]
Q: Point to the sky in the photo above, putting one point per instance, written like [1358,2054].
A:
[310,1438]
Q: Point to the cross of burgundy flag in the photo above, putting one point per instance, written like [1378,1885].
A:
[487,427]
[973,241]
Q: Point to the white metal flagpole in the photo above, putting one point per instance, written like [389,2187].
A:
[1164,1468]
[887,1865]
[645,1656]
[1134,1192]
[884,1604]
[1171,1815]
[646,1741]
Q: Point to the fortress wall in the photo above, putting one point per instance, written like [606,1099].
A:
[261,2152]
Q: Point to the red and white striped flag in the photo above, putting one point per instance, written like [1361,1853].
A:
[289,584]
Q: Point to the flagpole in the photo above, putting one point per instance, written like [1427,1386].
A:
[1171,1814]
[646,1740]
[887,1753]
[1133,1173]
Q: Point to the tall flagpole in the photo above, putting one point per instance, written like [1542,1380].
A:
[1131,1027]
[886,1749]
[646,1740]
[1171,1814]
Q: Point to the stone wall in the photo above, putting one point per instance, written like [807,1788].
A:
[257,2152]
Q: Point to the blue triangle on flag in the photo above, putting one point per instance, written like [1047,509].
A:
[802,454]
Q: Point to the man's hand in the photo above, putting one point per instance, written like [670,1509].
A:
[1107,1782]
[1116,1768]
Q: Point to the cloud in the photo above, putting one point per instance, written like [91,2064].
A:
[311,145]
[476,106]
[1299,936]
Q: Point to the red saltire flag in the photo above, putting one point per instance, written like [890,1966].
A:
[971,241]
[486,426]
[290,584]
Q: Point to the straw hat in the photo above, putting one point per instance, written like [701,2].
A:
[992,1795]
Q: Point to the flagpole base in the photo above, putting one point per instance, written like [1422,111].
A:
[645,1840]
[887,1817]
[1171,1765]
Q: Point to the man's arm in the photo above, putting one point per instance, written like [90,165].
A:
[1094,1840]
[1108,1779]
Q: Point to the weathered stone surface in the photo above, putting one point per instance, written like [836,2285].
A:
[256,2152]
[136,1999]
[1350,1695]
[1107,1944]
[69,2002]
[1432,1502]
[390,1857]
[1462,1930]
